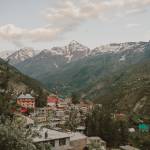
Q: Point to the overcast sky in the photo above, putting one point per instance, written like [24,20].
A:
[47,23]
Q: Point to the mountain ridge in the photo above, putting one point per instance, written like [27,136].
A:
[56,57]
[105,75]
[69,51]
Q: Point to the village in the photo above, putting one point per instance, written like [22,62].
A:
[61,124]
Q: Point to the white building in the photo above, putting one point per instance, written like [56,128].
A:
[57,140]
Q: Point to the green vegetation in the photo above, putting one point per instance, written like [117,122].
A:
[100,122]
[18,83]
[12,134]
[72,122]
[105,79]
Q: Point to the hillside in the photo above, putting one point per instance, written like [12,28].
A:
[21,55]
[48,60]
[79,74]
[53,60]
[18,83]
[116,73]
[120,78]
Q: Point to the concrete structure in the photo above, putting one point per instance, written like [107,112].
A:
[41,111]
[52,101]
[57,140]
[78,141]
[26,101]
[85,106]
[40,119]
[59,113]
[80,129]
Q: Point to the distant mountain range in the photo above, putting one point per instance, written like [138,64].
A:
[37,63]
[116,73]
[72,52]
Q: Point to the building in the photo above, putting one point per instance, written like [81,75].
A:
[59,113]
[85,106]
[143,127]
[26,101]
[78,141]
[56,122]
[40,119]
[57,140]
[52,101]
[81,129]
[41,111]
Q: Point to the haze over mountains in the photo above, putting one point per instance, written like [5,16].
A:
[115,73]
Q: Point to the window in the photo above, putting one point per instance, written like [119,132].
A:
[62,142]
[52,142]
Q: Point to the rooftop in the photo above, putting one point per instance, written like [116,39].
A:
[25,96]
[53,99]
[80,128]
[76,136]
[52,134]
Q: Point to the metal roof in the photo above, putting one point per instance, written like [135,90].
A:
[25,96]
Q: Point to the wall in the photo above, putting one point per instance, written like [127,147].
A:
[78,144]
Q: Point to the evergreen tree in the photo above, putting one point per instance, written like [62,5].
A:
[75,98]
[100,122]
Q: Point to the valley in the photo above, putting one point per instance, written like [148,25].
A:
[106,74]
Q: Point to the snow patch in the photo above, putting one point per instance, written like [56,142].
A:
[123,58]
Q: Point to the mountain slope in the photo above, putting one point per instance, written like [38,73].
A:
[5,54]
[85,71]
[120,78]
[127,90]
[18,83]
[21,55]
[114,73]
[49,60]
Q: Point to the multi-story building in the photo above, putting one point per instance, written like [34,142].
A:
[55,139]
[26,101]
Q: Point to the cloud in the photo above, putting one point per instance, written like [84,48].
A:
[133,25]
[70,15]
[67,15]
[17,35]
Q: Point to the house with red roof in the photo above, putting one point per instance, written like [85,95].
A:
[56,103]
[26,101]
[53,101]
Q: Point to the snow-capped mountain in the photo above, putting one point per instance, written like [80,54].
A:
[73,51]
[50,60]
[119,47]
[5,54]
[21,55]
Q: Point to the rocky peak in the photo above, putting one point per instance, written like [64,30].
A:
[21,55]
